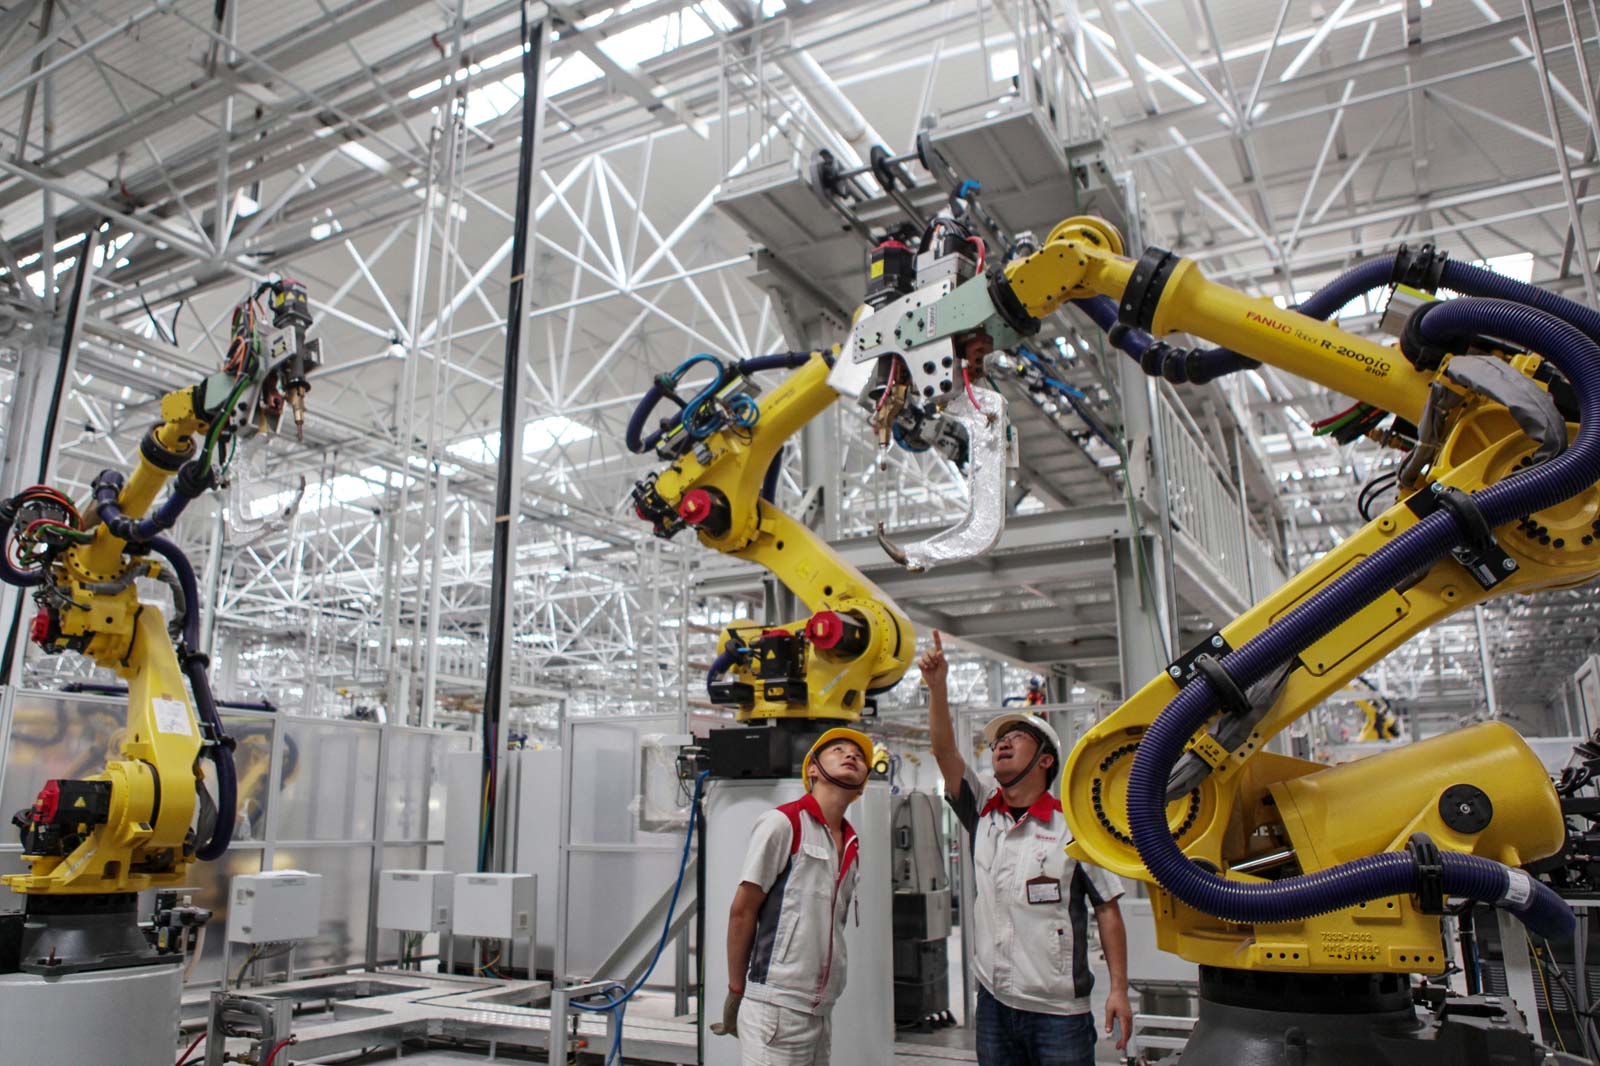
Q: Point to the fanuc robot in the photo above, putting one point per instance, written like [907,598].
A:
[1308,895]
[79,955]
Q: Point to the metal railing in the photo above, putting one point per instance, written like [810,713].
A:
[1050,74]
[765,121]
[1205,508]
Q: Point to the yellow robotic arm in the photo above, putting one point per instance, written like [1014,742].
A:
[723,449]
[1379,722]
[1500,497]
[134,825]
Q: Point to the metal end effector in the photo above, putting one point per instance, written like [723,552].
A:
[294,355]
[911,360]
[984,426]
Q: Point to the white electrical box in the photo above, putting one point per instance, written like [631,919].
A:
[415,901]
[494,906]
[276,906]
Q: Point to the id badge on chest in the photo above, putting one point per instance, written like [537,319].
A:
[1043,890]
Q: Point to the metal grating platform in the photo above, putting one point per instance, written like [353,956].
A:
[378,1008]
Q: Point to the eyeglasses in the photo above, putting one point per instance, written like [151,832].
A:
[1008,734]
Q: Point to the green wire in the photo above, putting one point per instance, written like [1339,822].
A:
[215,430]
[1360,412]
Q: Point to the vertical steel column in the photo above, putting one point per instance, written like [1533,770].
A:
[995,678]
[559,1011]
[513,418]
[1486,661]
[821,455]
[38,397]
[1143,562]
[379,839]
[1246,531]
[444,316]
[33,409]
[1586,263]
[31,93]
[393,555]
[401,678]
[1143,566]
[213,582]
[1140,648]
[430,650]
[222,224]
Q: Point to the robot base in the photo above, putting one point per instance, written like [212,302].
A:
[127,1016]
[1251,1018]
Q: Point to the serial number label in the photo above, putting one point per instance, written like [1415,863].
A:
[1352,947]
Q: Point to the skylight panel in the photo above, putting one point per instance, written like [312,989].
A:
[538,436]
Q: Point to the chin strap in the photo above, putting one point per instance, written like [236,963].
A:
[1041,749]
[836,783]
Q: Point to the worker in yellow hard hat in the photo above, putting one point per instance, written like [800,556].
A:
[786,930]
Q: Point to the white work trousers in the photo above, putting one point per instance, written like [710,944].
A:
[770,1035]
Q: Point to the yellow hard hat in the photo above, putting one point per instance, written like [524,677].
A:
[854,736]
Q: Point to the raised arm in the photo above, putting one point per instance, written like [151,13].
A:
[935,669]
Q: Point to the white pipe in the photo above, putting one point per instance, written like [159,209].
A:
[824,94]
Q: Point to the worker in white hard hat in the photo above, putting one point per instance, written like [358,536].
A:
[1030,919]
[786,931]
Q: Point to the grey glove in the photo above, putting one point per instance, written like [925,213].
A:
[729,1026]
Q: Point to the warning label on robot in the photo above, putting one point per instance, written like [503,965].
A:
[172,716]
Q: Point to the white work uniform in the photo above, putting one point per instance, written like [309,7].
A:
[797,959]
[1031,917]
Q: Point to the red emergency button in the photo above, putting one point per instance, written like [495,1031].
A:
[40,630]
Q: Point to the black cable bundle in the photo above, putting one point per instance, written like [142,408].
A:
[506,494]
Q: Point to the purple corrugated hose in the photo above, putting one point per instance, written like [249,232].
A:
[1390,873]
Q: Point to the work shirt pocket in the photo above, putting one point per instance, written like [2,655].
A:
[786,929]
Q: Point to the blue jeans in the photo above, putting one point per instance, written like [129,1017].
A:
[1011,1037]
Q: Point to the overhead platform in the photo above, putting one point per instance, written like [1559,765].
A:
[1029,183]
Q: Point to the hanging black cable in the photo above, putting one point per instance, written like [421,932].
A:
[506,491]
[69,340]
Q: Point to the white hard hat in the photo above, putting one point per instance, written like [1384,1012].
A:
[996,726]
